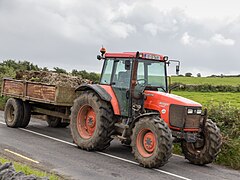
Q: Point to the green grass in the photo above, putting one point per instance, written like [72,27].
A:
[233,81]
[216,97]
[2,102]
[29,170]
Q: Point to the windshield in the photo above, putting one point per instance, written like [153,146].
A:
[152,73]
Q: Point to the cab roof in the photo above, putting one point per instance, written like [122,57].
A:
[142,55]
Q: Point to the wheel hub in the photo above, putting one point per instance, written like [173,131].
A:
[11,114]
[146,142]
[86,121]
[149,142]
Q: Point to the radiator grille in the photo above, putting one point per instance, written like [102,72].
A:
[179,118]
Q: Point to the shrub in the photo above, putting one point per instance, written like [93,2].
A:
[206,88]
[227,118]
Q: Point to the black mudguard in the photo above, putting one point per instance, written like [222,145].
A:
[103,94]
[146,114]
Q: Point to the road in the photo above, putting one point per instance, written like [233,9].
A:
[53,149]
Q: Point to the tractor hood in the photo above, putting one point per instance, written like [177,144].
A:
[155,98]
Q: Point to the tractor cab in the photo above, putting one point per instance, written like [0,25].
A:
[129,74]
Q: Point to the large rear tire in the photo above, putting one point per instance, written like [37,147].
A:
[151,142]
[209,148]
[13,113]
[26,114]
[91,122]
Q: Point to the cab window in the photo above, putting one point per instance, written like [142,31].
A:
[107,72]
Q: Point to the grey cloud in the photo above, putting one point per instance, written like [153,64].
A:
[69,34]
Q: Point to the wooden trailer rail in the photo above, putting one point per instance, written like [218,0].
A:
[38,92]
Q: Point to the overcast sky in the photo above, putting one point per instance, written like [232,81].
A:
[203,34]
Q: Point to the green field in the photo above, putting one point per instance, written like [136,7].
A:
[212,97]
[233,81]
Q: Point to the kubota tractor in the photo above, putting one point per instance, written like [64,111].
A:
[132,103]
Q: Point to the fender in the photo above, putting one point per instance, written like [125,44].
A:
[137,119]
[146,114]
[97,88]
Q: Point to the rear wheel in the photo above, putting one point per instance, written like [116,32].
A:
[204,152]
[26,114]
[151,142]
[91,122]
[13,112]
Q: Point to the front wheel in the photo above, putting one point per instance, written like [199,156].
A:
[151,142]
[205,151]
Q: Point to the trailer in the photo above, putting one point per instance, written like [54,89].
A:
[36,98]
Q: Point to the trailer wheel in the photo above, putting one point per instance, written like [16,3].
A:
[13,112]
[151,142]
[55,122]
[91,122]
[206,151]
[26,114]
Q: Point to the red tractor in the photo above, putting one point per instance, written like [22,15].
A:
[132,103]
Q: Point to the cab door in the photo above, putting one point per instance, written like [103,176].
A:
[121,83]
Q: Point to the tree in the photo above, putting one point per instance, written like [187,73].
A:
[199,75]
[74,72]
[60,70]
[86,75]
[45,69]
[188,74]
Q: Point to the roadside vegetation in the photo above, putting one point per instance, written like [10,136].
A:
[27,170]
[224,109]
[220,95]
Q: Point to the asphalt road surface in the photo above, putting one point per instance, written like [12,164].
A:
[53,149]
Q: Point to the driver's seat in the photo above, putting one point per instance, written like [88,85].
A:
[124,78]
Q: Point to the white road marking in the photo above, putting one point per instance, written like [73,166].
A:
[178,155]
[21,156]
[102,153]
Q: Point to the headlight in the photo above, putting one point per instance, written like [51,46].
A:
[194,111]
[190,111]
[199,111]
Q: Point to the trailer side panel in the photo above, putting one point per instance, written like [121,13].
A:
[42,92]
[15,88]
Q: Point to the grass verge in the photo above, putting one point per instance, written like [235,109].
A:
[29,170]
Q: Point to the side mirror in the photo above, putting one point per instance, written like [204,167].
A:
[177,70]
[177,66]
[99,57]
[127,65]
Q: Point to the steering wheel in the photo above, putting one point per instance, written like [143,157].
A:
[139,88]
[144,82]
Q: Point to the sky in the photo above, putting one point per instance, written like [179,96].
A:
[203,34]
